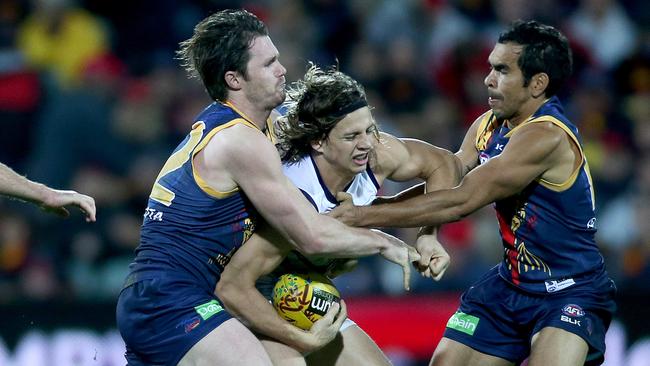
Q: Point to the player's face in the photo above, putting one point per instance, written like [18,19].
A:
[505,82]
[348,145]
[264,82]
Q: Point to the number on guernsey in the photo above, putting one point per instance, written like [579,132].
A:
[164,195]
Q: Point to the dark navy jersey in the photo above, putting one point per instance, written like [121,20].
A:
[548,229]
[190,230]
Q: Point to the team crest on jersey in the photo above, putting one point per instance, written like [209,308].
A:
[483,158]
[592,223]
[249,228]
[526,261]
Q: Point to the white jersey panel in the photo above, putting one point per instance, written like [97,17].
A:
[304,174]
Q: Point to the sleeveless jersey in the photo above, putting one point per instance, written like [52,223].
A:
[190,230]
[548,229]
[305,175]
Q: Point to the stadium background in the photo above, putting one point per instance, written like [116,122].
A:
[92,99]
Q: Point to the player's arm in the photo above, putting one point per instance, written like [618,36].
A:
[440,169]
[405,159]
[532,150]
[51,200]
[254,164]
[236,289]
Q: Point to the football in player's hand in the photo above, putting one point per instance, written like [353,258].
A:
[302,299]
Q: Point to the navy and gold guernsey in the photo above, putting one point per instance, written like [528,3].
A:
[548,229]
[189,233]
[552,274]
[189,227]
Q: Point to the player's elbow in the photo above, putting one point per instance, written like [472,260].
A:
[314,246]
[226,291]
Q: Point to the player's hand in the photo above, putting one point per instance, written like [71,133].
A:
[326,328]
[434,259]
[56,201]
[346,211]
[402,254]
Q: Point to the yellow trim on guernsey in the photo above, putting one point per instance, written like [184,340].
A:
[482,133]
[200,181]
[560,187]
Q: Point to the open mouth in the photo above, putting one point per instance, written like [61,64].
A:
[493,101]
[361,159]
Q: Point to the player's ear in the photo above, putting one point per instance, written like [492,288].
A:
[233,79]
[317,145]
[538,84]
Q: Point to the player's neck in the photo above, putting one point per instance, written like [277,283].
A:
[252,113]
[525,112]
[334,179]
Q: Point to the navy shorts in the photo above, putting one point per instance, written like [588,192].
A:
[498,319]
[160,320]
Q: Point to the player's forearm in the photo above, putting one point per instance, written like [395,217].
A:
[255,311]
[431,209]
[446,176]
[336,240]
[14,185]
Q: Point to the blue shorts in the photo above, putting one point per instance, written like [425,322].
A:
[160,320]
[498,319]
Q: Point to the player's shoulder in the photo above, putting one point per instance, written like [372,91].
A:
[540,128]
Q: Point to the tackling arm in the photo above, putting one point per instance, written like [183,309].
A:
[530,152]
[236,289]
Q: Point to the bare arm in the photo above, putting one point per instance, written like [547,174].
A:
[530,152]
[440,169]
[51,200]
[236,288]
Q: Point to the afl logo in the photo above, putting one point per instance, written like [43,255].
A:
[592,223]
[573,311]
[483,157]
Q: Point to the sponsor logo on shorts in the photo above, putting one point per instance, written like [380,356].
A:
[207,310]
[571,313]
[463,323]
[189,324]
[573,310]
[555,285]
[570,320]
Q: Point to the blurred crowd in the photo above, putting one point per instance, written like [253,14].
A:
[92,99]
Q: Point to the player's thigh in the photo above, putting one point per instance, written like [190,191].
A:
[231,343]
[555,346]
[352,346]
[453,353]
[281,354]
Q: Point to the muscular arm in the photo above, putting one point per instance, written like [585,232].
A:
[406,159]
[531,151]
[52,200]
[236,288]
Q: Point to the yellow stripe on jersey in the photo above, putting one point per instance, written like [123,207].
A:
[199,180]
[484,131]
[160,193]
[559,187]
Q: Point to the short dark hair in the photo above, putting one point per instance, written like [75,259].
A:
[220,43]
[315,105]
[546,50]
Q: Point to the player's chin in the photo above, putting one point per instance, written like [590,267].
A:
[279,98]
